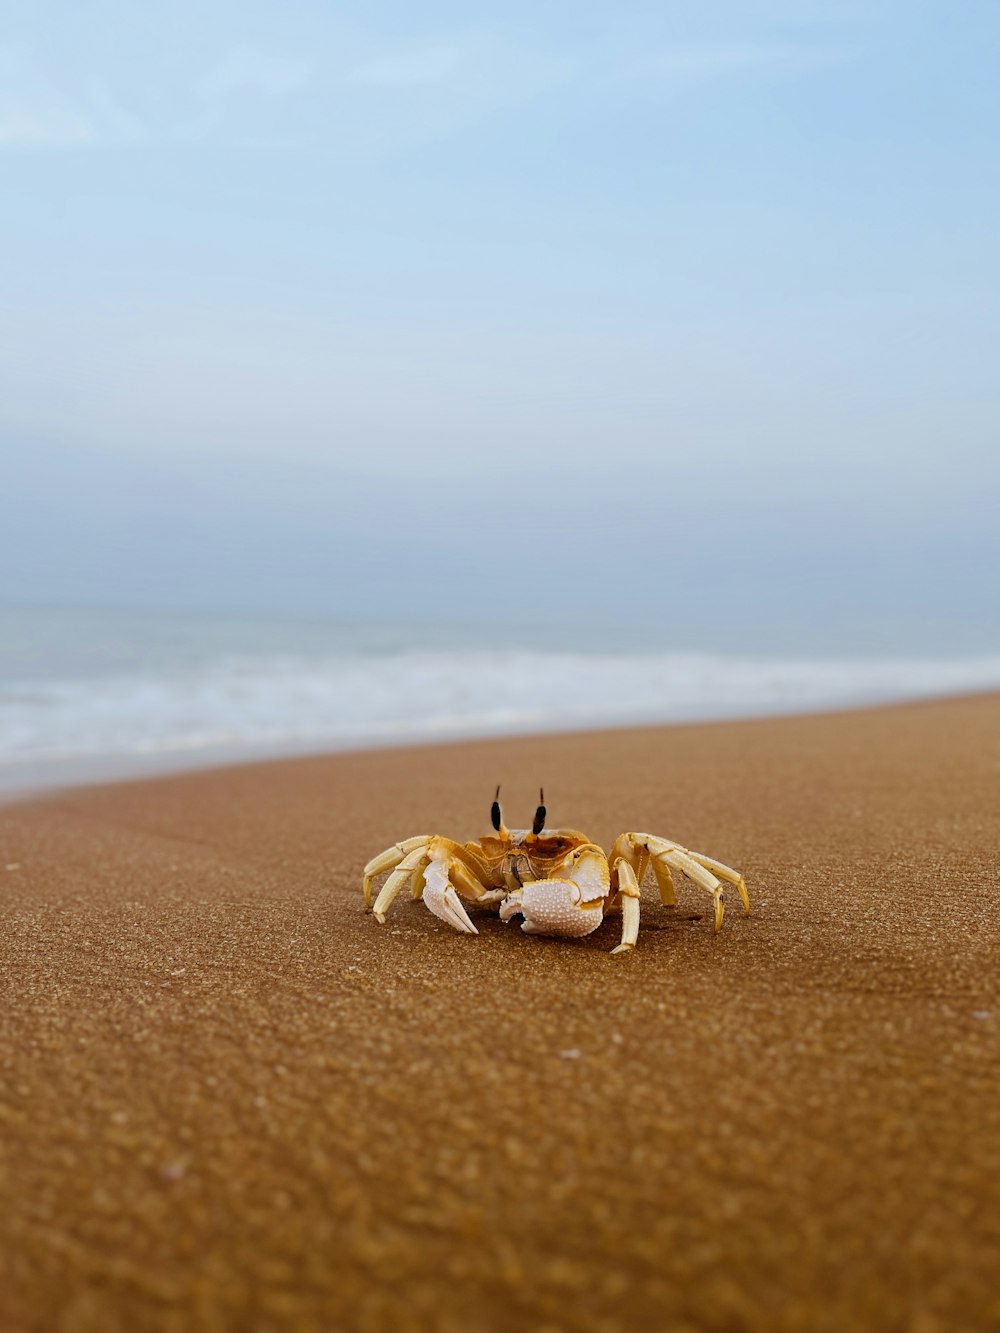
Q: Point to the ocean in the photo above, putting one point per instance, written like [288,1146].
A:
[93,695]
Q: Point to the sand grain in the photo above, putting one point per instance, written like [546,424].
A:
[228,1099]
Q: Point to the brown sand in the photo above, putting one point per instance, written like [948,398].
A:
[231,1100]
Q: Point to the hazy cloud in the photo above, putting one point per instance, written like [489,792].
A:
[353,91]
[32,113]
[27,125]
[709,61]
[473,70]
[422,64]
[250,71]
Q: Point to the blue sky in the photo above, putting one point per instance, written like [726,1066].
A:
[532,271]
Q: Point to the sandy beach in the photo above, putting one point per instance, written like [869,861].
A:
[231,1100]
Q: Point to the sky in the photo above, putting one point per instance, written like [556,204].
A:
[656,315]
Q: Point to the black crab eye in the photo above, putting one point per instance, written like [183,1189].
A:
[538,823]
[495,816]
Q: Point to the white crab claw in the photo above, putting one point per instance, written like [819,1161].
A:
[441,898]
[553,907]
[511,905]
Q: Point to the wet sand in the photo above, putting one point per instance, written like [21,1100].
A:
[230,1100]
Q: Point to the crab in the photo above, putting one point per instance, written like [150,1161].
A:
[557,880]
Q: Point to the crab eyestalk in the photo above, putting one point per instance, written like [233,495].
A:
[538,823]
[496,814]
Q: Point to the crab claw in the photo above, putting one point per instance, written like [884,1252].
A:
[441,898]
[511,905]
[553,907]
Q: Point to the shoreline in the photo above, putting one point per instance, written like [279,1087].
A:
[36,778]
[232,1099]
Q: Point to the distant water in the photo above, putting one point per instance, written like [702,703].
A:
[92,695]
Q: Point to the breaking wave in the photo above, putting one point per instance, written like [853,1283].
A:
[253,703]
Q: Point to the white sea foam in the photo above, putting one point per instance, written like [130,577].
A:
[267,702]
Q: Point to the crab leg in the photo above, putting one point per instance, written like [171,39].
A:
[642,863]
[667,856]
[665,882]
[630,852]
[727,873]
[389,860]
[417,882]
[628,887]
[397,879]
[680,860]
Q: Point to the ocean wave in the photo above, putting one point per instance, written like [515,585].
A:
[341,701]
